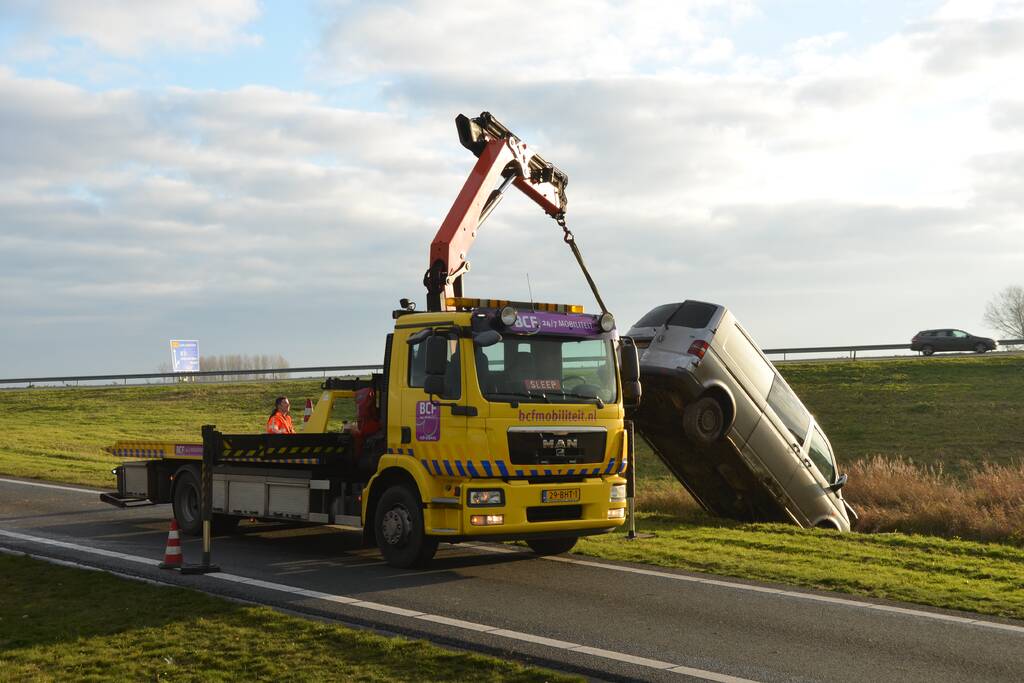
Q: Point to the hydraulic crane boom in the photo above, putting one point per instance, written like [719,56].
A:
[499,154]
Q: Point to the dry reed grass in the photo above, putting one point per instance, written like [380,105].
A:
[985,504]
[894,494]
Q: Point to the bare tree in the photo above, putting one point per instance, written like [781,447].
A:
[237,361]
[1005,312]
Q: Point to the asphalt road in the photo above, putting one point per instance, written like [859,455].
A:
[607,620]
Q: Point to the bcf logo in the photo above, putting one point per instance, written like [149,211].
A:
[428,421]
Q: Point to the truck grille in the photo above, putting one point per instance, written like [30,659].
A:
[553,513]
[557,447]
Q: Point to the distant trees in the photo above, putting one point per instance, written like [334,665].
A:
[1005,312]
[238,361]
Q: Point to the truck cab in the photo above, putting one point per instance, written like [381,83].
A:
[504,421]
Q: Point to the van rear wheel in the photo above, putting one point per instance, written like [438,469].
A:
[704,421]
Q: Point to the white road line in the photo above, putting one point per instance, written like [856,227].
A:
[845,602]
[410,614]
[48,486]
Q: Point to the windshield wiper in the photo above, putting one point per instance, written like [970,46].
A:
[597,399]
[521,394]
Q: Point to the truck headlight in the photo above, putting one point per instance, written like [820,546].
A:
[618,493]
[617,513]
[485,498]
[607,322]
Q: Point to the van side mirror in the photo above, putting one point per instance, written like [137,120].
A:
[840,483]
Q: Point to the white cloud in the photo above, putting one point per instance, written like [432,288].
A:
[129,28]
[525,40]
[827,182]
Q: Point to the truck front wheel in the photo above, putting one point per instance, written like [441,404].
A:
[398,526]
[551,546]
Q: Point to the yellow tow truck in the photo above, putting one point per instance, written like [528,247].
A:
[491,420]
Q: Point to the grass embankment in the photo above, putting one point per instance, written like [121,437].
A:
[60,624]
[955,413]
[933,403]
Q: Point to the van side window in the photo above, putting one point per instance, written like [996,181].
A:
[418,369]
[749,361]
[693,314]
[821,457]
[787,406]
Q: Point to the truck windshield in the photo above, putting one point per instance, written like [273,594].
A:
[538,369]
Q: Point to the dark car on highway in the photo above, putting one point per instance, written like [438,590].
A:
[930,341]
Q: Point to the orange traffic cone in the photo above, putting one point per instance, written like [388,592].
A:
[172,554]
[308,411]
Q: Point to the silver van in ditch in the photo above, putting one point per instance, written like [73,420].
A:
[728,426]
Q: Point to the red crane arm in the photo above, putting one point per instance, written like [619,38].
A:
[499,154]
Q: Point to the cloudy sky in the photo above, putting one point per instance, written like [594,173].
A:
[266,177]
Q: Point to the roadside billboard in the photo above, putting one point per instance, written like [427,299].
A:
[184,355]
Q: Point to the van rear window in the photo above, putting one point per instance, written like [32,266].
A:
[657,316]
[693,314]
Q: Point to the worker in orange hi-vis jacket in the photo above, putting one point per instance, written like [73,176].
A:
[280,421]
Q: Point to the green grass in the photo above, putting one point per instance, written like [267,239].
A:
[954,574]
[58,624]
[955,412]
[57,434]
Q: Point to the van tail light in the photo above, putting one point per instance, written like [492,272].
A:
[698,348]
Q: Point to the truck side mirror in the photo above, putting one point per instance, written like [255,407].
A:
[436,364]
[486,338]
[629,361]
[629,369]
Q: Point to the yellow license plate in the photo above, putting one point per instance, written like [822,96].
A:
[560,496]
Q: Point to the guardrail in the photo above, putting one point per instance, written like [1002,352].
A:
[852,350]
[270,372]
[263,372]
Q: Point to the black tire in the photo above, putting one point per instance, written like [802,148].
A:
[704,421]
[927,350]
[398,527]
[186,503]
[980,348]
[551,546]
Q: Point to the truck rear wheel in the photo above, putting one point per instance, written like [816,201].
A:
[704,420]
[186,503]
[551,546]
[398,527]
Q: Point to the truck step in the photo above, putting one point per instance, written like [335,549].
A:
[125,501]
